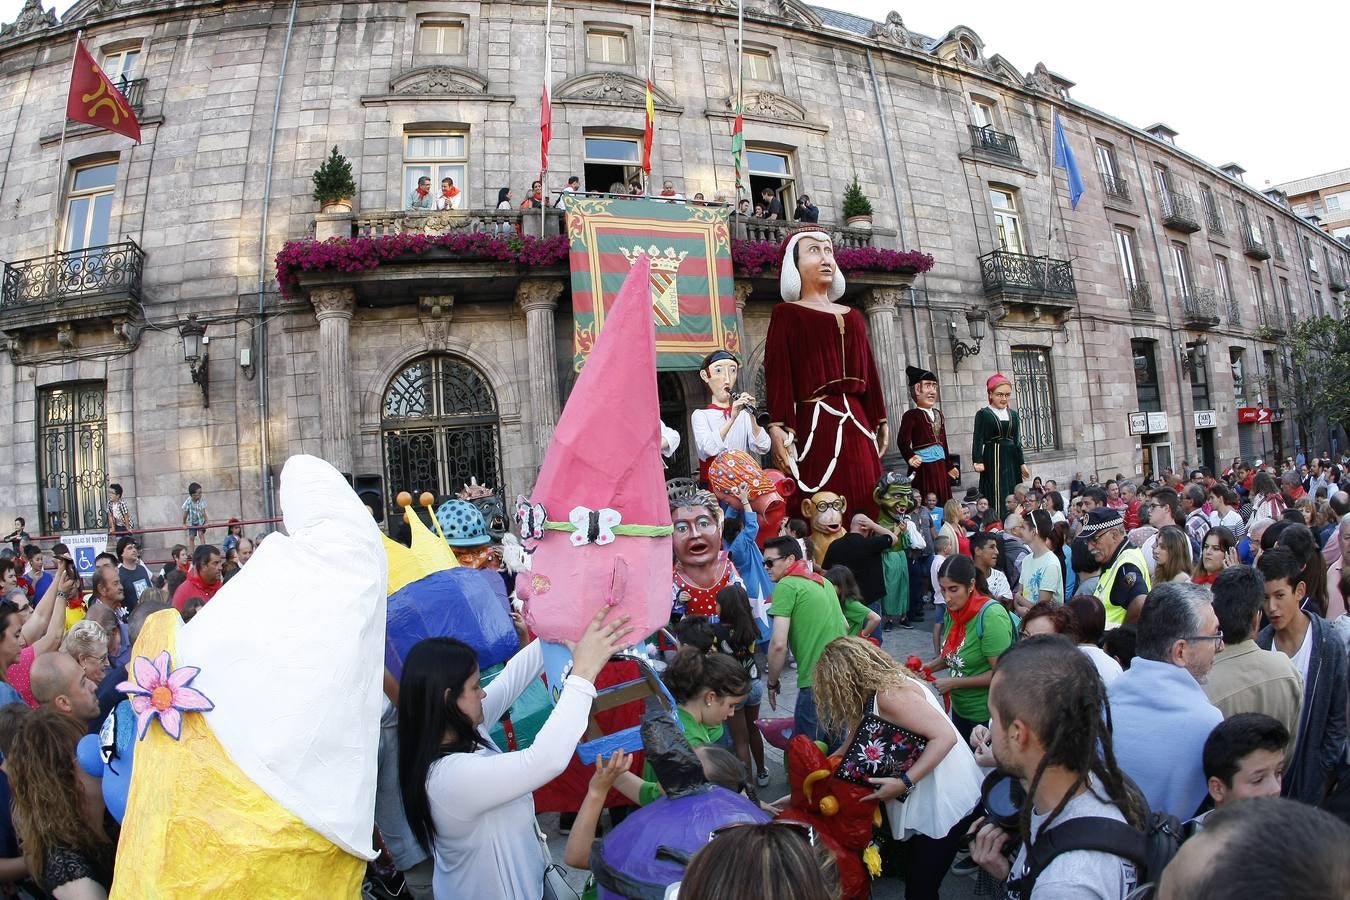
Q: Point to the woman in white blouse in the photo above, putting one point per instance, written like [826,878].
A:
[466,800]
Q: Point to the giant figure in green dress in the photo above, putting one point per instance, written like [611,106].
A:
[998,444]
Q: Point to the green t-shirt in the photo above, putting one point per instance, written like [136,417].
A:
[697,734]
[989,634]
[856,615]
[816,620]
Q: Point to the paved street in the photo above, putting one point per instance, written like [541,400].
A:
[900,644]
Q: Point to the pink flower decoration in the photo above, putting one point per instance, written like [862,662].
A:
[160,691]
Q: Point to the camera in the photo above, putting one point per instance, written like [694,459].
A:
[1003,798]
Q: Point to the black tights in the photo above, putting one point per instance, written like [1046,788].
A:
[926,860]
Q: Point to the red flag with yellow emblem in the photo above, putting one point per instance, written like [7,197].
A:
[94,100]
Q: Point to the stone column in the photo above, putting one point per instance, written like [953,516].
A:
[743,289]
[538,300]
[880,304]
[333,308]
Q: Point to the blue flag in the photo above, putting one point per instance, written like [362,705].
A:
[1064,160]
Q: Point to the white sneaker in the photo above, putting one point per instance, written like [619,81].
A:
[762,779]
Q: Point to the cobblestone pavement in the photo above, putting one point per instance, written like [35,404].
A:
[900,643]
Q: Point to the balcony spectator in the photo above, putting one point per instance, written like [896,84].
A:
[698,198]
[18,537]
[806,210]
[759,211]
[635,188]
[743,208]
[504,198]
[773,207]
[668,192]
[535,199]
[234,531]
[573,185]
[450,197]
[119,514]
[420,200]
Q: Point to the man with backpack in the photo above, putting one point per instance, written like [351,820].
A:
[1085,830]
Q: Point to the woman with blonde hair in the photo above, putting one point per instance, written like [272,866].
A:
[1172,553]
[87,644]
[930,805]
[952,514]
[68,840]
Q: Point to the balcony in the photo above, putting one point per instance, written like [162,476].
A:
[133,92]
[1116,188]
[1200,308]
[995,143]
[398,221]
[1178,212]
[1141,298]
[1270,320]
[1336,279]
[1038,281]
[1213,222]
[74,303]
[1253,246]
[1234,311]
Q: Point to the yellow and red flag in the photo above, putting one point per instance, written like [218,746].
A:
[94,100]
[650,133]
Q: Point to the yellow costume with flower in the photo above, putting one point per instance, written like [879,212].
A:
[267,788]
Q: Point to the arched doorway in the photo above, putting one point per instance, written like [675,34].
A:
[439,428]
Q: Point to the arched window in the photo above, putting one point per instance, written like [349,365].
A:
[72,473]
[439,428]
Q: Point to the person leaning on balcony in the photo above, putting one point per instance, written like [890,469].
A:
[535,199]
[773,207]
[450,197]
[420,200]
[806,210]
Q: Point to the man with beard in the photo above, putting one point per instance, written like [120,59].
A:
[1159,712]
[701,568]
[725,423]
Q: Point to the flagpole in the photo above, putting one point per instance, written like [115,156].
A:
[61,153]
[738,157]
[651,72]
[548,94]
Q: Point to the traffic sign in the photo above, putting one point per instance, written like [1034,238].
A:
[85,548]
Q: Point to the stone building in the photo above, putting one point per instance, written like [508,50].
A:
[1323,198]
[1135,326]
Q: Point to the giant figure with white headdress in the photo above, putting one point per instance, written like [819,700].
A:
[824,392]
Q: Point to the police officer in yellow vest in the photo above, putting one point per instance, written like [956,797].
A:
[1125,582]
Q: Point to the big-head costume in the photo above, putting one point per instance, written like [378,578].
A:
[823,387]
[254,775]
[923,434]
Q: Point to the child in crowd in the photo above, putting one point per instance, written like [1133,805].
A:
[740,528]
[861,620]
[799,529]
[1244,757]
[942,548]
[194,515]
[233,533]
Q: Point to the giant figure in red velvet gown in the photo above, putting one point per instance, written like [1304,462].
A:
[922,438]
[824,394]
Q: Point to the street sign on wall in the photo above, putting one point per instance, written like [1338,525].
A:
[1206,418]
[1138,423]
[1157,423]
[1255,415]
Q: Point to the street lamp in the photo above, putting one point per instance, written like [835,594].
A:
[975,319]
[194,338]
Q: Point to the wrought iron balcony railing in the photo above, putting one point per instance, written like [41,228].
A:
[133,92]
[1269,318]
[1234,311]
[1178,212]
[987,140]
[1031,276]
[1141,298]
[74,275]
[1116,187]
[1254,246]
[1200,307]
[1213,222]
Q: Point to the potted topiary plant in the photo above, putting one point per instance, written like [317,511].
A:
[857,208]
[333,183]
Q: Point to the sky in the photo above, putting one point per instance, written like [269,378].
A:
[1255,84]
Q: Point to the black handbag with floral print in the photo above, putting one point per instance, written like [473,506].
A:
[879,749]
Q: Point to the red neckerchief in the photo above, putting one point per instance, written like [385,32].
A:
[724,410]
[957,636]
[422,192]
[703,600]
[450,194]
[800,570]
